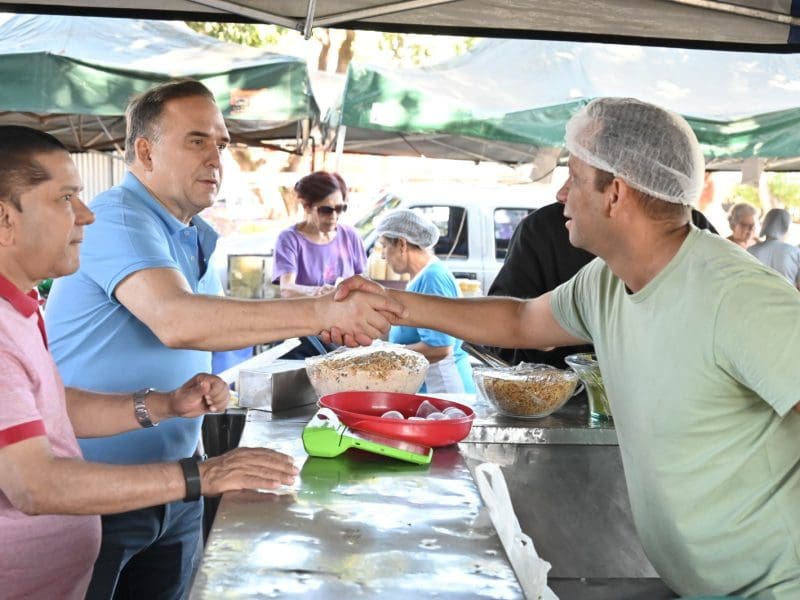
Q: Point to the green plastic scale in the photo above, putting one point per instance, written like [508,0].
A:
[325,436]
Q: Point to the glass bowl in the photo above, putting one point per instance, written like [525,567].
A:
[588,369]
[527,390]
[377,368]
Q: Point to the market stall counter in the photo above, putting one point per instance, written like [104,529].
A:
[367,526]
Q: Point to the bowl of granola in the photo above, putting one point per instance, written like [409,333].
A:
[381,367]
[526,390]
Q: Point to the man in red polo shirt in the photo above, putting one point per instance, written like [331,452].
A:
[49,496]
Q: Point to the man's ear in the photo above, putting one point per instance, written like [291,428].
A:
[620,196]
[143,149]
[612,195]
[9,219]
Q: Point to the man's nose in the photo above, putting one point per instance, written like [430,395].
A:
[214,157]
[83,214]
[561,194]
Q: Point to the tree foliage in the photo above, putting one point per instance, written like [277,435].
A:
[342,46]
[785,187]
[745,193]
[249,34]
[422,50]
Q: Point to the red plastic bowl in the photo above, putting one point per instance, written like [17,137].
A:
[363,410]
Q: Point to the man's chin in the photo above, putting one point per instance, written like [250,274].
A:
[68,268]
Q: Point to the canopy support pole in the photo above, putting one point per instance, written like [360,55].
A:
[108,134]
[309,24]
[341,132]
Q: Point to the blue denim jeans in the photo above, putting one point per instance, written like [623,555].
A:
[149,553]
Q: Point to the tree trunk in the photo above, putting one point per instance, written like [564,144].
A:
[325,40]
[345,51]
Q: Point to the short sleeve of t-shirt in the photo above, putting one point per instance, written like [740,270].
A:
[287,250]
[435,282]
[357,253]
[123,240]
[571,301]
[763,359]
[18,402]
[318,264]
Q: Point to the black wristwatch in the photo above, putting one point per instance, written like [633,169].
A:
[191,477]
[140,408]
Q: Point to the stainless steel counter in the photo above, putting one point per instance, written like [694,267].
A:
[355,526]
[362,526]
[570,425]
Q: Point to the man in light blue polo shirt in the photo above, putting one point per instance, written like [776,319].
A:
[96,340]
[144,310]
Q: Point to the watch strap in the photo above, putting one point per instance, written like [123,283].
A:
[140,408]
[191,476]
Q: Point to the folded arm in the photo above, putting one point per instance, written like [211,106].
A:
[433,353]
[291,289]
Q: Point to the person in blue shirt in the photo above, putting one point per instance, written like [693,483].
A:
[144,310]
[407,240]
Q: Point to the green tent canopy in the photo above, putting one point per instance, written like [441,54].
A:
[74,76]
[509,100]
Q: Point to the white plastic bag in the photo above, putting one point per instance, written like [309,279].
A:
[531,570]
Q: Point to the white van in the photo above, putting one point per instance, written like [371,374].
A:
[476,221]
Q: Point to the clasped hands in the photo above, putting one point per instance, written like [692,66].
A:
[360,312]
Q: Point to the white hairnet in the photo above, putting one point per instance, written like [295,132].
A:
[652,149]
[407,224]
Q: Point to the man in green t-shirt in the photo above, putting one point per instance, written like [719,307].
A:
[698,344]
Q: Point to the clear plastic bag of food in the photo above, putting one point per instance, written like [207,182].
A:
[381,367]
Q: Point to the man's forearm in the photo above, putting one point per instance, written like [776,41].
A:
[162,300]
[72,486]
[466,319]
[93,414]
[493,321]
[201,322]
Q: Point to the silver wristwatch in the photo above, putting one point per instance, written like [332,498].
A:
[140,408]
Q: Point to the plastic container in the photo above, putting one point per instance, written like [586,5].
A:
[588,369]
[526,390]
[381,367]
[362,411]
[276,386]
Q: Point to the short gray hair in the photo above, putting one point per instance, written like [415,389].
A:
[738,212]
[144,111]
[776,224]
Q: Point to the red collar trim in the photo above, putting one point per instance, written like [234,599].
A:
[25,304]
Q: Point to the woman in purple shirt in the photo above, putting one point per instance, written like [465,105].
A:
[312,255]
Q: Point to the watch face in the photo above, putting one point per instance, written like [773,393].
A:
[140,408]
